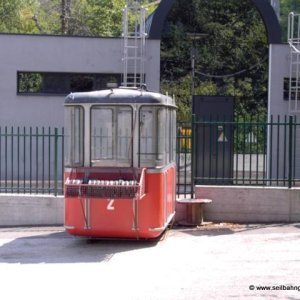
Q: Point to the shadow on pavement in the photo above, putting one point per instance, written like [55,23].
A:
[59,247]
[37,245]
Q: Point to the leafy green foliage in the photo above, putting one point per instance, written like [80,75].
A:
[231,50]
[287,6]
[71,17]
[80,17]
[250,133]
[30,82]
[16,15]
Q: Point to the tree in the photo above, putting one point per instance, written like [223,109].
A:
[80,17]
[105,18]
[231,52]
[16,15]
[65,16]
[287,6]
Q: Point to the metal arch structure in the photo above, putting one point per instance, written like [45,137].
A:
[263,6]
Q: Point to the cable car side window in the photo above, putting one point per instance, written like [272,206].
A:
[163,143]
[111,136]
[157,136]
[173,135]
[152,136]
[147,138]
[74,135]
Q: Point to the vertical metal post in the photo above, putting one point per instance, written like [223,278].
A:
[294,147]
[18,159]
[250,137]
[278,150]
[216,136]
[271,150]
[244,147]
[193,161]
[12,159]
[257,150]
[265,150]
[5,151]
[62,158]
[290,163]
[30,160]
[49,159]
[55,160]
[284,150]
[24,161]
[236,150]
[43,160]
[193,56]
[36,159]
[0,157]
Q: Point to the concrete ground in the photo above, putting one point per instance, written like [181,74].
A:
[217,261]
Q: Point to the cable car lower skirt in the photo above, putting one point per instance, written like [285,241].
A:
[142,210]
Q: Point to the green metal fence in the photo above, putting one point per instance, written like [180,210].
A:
[248,151]
[184,157]
[242,152]
[31,160]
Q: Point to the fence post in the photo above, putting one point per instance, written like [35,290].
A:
[55,160]
[290,163]
[193,144]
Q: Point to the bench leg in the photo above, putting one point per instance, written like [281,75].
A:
[195,214]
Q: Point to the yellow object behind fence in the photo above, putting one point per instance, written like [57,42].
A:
[185,139]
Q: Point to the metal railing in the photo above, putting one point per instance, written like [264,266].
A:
[249,151]
[216,152]
[184,157]
[31,160]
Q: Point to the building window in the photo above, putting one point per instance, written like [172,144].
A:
[29,82]
[50,83]
[295,89]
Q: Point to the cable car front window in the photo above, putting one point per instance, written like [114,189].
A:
[124,134]
[74,136]
[111,136]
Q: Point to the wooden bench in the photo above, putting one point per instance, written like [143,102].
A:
[194,210]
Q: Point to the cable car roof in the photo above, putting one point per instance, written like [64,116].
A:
[120,95]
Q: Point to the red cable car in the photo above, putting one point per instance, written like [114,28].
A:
[119,163]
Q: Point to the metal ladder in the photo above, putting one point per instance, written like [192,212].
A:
[294,42]
[134,41]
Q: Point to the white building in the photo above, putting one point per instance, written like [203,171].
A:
[37,72]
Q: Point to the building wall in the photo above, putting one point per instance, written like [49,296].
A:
[58,54]
[279,63]
[27,210]
[229,204]
[250,204]
[279,68]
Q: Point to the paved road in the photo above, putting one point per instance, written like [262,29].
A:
[223,261]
